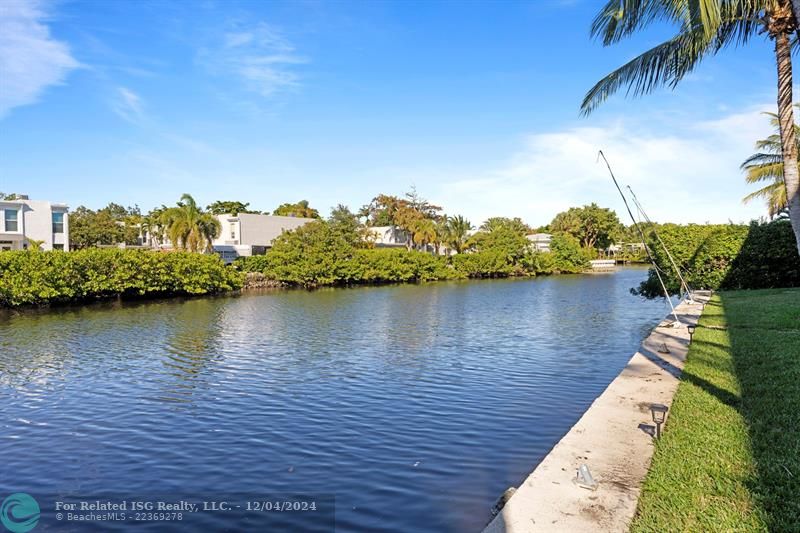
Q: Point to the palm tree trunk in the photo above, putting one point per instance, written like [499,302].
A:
[791,176]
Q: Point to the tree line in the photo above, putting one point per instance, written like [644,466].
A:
[190,227]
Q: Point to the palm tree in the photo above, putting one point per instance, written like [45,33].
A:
[424,232]
[767,165]
[34,245]
[705,28]
[152,225]
[458,229]
[188,227]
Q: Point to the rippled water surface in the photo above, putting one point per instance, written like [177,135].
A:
[415,405]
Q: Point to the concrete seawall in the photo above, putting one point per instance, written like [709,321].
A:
[610,438]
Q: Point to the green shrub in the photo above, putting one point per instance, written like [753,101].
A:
[381,265]
[486,264]
[325,267]
[725,256]
[567,254]
[36,278]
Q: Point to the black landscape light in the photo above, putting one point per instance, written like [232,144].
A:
[659,412]
[691,328]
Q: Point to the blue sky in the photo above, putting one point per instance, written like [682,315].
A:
[474,103]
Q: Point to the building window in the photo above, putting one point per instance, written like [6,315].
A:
[58,247]
[233,231]
[11,220]
[58,222]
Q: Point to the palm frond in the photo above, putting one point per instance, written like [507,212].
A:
[761,159]
[705,28]
[759,173]
[665,64]
[620,18]
[767,192]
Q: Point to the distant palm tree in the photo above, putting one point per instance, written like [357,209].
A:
[188,227]
[458,229]
[424,231]
[767,166]
[152,226]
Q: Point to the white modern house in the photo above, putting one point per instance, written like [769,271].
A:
[540,241]
[248,234]
[23,220]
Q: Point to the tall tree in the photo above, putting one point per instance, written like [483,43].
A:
[113,224]
[704,28]
[223,207]
[189,227]
[345,223]
[301,210]
[502,239]
[592,225]
[766,165]
[515,224]
[408,214]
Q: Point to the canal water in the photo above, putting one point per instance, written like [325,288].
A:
[413,407]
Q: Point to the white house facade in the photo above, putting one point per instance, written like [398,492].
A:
[540,241]
[23,220]
[249,234]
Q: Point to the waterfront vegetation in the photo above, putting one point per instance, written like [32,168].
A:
[36,278]
[729,459]
[333,252]
[725,256]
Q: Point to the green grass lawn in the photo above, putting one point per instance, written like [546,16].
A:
[729,459]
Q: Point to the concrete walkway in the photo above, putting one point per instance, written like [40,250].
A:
[609,439]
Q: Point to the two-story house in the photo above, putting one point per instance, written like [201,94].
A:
[23,221]
[248,234]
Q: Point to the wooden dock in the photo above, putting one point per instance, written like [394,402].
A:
[603,265]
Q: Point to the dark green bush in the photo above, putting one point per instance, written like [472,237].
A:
[567,254]
[486,264]
[379,265]
[35,278]
[725,256]
[324,253]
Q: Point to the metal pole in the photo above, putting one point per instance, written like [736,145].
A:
[684,284]
[644,240]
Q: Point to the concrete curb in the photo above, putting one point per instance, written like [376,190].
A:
[610,439]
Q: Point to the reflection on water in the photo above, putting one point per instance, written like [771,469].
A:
[415,405]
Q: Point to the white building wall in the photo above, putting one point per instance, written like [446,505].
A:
[34,221]
[540,241]
[247,234]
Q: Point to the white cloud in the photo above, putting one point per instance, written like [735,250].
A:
[259,55]
[30,59]
[128,105]
[689,175]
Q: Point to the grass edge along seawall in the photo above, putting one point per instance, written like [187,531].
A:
[729,459]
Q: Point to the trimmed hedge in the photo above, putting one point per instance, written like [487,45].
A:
[726,256]
[37,278]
